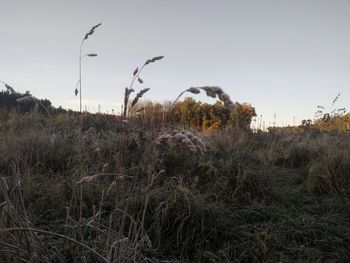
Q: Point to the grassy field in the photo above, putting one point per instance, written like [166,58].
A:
[88,190]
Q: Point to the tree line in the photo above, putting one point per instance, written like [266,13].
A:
[193,114]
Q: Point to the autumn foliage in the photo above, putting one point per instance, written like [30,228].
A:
[191,114]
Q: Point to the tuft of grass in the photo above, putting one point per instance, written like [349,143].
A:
[330,174]
[253,186]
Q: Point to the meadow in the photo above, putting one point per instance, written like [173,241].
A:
[182,181]
[94,188]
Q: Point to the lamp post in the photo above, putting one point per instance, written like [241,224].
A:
[92,30]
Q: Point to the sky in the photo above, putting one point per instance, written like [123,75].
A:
[284,57]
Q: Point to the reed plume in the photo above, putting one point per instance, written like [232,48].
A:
[127,93]
[92,30]
[139,95]
[213,91]
[136,76]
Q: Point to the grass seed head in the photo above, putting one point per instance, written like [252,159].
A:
[135,71]
[193,90]
[214,91]
[154,59]
[139,95]
[92,30]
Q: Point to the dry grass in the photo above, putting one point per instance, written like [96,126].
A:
[130,89]
[330,173]
[98,195]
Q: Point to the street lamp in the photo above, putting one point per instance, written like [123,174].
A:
[92,30]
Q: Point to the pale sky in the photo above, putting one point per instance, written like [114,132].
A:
[282,56]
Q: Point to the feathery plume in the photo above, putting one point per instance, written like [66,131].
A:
[135,71]
[193,90]
[214,91]
[92,30]
[129,89]
[139,95]
[154,59]
[126,99]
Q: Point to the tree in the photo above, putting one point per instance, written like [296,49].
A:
[189,110]
[195,115]
[242,115]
